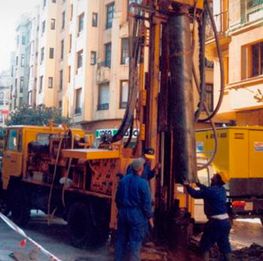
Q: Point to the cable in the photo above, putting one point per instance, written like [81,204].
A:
[202,90]
[203,166]
[67,173]
[53,179]
[134,50]
[222,81]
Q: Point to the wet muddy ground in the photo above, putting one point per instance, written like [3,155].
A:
[54,238]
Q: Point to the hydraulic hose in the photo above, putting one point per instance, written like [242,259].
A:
[222,81]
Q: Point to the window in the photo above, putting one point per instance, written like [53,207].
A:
[61,80]
[1,98]
[60,104]
[23,40]
[69,73]
[12,139]
[254,10]
[53,24]
[30,98]
[40,84]
[17,40]
[22,60]
[63,20]
[93,58]
[44,3]
[108,55]
[252,60]
[51,53]
[53,1]
[42,55]
[21,84]
[109,15]
[50,82]
[81,23]
[80,59]
[133,1]
[103,103]
[43,27]
[20,102]
[78,101]
[257,59]
[124,51]
[94,19]
[71,12]
[70,43]
[62,50]
[17,60]
[209,98]
[124,89]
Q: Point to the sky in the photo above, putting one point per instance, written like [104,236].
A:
[10,11]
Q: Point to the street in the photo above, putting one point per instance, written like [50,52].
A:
[54,238]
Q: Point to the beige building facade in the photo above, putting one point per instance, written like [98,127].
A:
[79,60]
[240,26]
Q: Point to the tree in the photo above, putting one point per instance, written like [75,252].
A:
[40,115]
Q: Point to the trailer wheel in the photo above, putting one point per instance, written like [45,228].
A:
[19,205]
[87,227]
[80,225]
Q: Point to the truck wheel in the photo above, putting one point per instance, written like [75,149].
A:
[80,225]
[19,205]
[88,226]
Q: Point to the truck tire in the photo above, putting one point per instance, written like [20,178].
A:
[80,225]
[86,227]
[19,205]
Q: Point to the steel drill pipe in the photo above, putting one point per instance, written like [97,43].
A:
[181,111]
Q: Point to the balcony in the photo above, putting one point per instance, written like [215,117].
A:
[222,25]
[103,73]
[103,106]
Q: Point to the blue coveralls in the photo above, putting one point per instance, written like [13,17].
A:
[216,230]
[133,199]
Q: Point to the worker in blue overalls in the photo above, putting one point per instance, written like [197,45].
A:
[218,227]
[133,200]
[148,173]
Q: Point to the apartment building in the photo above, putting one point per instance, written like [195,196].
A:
[79,60]
[97,73]
[240,29]
[20,64]
[5,84]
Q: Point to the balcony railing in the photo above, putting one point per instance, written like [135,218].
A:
[222,25]
[103,106]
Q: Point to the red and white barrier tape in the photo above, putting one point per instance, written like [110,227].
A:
[12,225]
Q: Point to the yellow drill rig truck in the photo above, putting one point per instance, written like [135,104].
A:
[55,170]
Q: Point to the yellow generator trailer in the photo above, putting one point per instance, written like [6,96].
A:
[239,158]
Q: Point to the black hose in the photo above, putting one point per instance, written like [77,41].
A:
[202,88]
[130,135]
[134,50]
[222,81]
